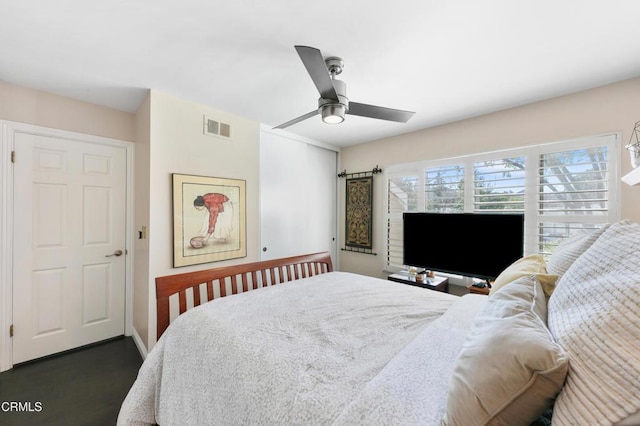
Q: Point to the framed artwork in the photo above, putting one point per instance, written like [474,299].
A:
[358,215]
[209,219]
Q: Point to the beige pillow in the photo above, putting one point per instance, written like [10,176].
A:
[528,265]
[510,369]
[548,283]
[594,314]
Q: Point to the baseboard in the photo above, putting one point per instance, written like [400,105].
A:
[138,341]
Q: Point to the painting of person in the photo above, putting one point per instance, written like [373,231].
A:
[218,218]
[209,219]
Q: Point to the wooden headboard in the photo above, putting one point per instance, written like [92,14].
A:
[249,275]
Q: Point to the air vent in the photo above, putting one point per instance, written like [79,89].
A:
[216,128]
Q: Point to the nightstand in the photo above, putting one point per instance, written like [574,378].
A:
[435,283]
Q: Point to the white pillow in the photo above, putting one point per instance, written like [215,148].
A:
[594,313]
[569,250]
[510,369]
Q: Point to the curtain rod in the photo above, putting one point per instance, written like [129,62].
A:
[376,170]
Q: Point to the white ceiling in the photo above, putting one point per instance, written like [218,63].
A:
[446,60]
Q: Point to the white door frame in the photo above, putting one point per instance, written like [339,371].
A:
[7,131]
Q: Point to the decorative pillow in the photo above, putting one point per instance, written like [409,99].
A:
[548,283]
[594,314]
[510,369]
[532,264]
[569,250]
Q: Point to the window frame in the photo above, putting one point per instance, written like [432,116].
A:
[532,154]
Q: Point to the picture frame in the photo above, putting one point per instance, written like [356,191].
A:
[359,212]
[209,219]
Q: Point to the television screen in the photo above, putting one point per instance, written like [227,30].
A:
[479,245]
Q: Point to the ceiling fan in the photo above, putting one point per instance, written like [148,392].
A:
[333,104]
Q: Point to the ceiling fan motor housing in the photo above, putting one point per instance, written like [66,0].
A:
[341,91]
[332,110]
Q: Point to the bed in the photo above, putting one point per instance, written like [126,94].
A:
[291,341]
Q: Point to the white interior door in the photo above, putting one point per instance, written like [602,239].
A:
[297,197]
[69,241]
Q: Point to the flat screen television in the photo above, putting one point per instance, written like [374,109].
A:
[479,245]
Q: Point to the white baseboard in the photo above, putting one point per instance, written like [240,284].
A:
[138,341]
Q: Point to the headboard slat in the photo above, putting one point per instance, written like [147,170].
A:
[196,295]
[182,298]
[254,279]
[222,282]
[210,290]
[234,285]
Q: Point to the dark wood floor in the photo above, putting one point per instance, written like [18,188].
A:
[83,387]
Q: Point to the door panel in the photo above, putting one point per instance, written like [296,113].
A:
[321,224]
[297,197]
[48,300]
[69,216]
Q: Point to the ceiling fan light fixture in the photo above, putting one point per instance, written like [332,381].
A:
[333,113]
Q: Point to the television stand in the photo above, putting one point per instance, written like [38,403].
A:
[434,283]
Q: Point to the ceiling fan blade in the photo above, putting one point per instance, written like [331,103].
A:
[382,113]
[317,69]
[296,120]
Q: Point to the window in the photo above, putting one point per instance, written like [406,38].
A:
[561,188]
[402,196]
[444,189]
[499,185]
[573,194]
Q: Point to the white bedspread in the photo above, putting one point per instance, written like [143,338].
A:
[301,353]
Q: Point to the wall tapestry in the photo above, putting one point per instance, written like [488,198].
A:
[209,219]
[358,215]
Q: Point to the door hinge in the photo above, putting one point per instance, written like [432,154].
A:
[13,156]
[11,330]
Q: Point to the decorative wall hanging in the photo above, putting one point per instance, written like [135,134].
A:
[209,219]
[359,211]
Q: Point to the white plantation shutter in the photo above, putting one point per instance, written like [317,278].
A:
[561,188]
[550,234]
[573,183]
[499,185]
[573,194]
[444,189]
[402,195]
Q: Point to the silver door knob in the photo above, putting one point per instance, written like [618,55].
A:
[115,253]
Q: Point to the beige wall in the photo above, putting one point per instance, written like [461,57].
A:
[177,145]
[612,108]
[30,106]
[142,304]
[24,105]
[169,139]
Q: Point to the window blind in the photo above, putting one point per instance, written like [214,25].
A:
[562,188]
[573,194]
[499,185]
[402,193]
[444,189]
